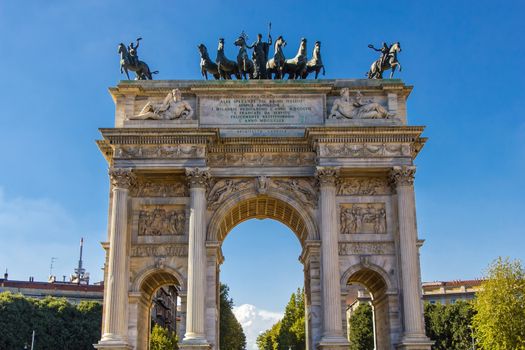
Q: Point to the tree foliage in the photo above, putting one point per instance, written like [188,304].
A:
[288,332]
[500,305]
[361,330]
[449,326]
[57,323]
[162,339]
[232,336]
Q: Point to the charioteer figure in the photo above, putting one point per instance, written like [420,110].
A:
[260,55]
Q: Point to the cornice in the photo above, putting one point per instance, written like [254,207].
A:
[148,136]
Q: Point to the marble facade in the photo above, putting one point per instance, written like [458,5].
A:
[331,159]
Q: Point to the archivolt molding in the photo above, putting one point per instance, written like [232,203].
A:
[274,204]
[378,276]
[155,276]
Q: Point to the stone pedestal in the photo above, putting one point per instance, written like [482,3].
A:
[331,291]
[414,326]
[195,337]
[115,327]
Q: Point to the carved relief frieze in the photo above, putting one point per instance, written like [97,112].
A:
[363,218]
[365,150]
[161,221]
[223,188]
[363,186]
[164,151]
[357,107]
[304,190]
[172,107]
[159,188]
[359,248]
[261,159]
[156,250]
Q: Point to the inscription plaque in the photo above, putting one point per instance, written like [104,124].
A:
[281,109]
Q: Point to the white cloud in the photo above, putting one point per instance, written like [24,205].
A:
[254,321]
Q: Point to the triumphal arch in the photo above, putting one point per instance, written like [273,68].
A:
[331,159]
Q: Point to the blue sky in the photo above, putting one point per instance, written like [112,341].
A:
[464,58]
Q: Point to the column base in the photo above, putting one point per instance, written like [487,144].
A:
[194,343]
[333,343]
[112,345]
[415,342]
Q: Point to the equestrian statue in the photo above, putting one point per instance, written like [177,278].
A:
[388,60]
[129,61]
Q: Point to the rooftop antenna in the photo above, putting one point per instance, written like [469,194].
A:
[53,259]
[80,271]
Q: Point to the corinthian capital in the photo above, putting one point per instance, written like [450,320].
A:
[197,177]
[121,178]
[402,175]
[326,176]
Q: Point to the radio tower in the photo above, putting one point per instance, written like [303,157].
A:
[80,276]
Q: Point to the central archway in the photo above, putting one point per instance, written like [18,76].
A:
[275,205]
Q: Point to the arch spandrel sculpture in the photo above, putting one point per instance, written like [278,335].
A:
[331,159]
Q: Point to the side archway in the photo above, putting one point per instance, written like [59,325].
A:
[379,286]
[143,289]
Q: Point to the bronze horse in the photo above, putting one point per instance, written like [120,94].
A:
[391,62]
[246,66]
[207,65]
[296,66]
[275,65]
[315,64]
[225,66]
[142,71]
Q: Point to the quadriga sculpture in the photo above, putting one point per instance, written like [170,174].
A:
[225,66]
[207,65]
[296,66]
[315,64]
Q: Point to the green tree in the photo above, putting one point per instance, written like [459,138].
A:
[449,326]
[232,336]
[57,323]
[361,331]
[288,332]
[162,339]
[500,305]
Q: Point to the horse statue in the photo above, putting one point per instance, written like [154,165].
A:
[275,65]
[387,61]
[315,64]
[296,66]
[141,69]
[207,65]
[246,66]
[225,66]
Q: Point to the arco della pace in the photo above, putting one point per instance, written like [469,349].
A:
[331,159]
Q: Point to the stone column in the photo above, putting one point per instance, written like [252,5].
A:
[331,291]
[414,328]
[195,336]
[115,327]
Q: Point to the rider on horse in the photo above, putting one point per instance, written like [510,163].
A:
[385,51]
[132,51]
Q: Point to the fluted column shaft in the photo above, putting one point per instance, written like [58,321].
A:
[195,333]
[116,304]
[403,178]
[331,291]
